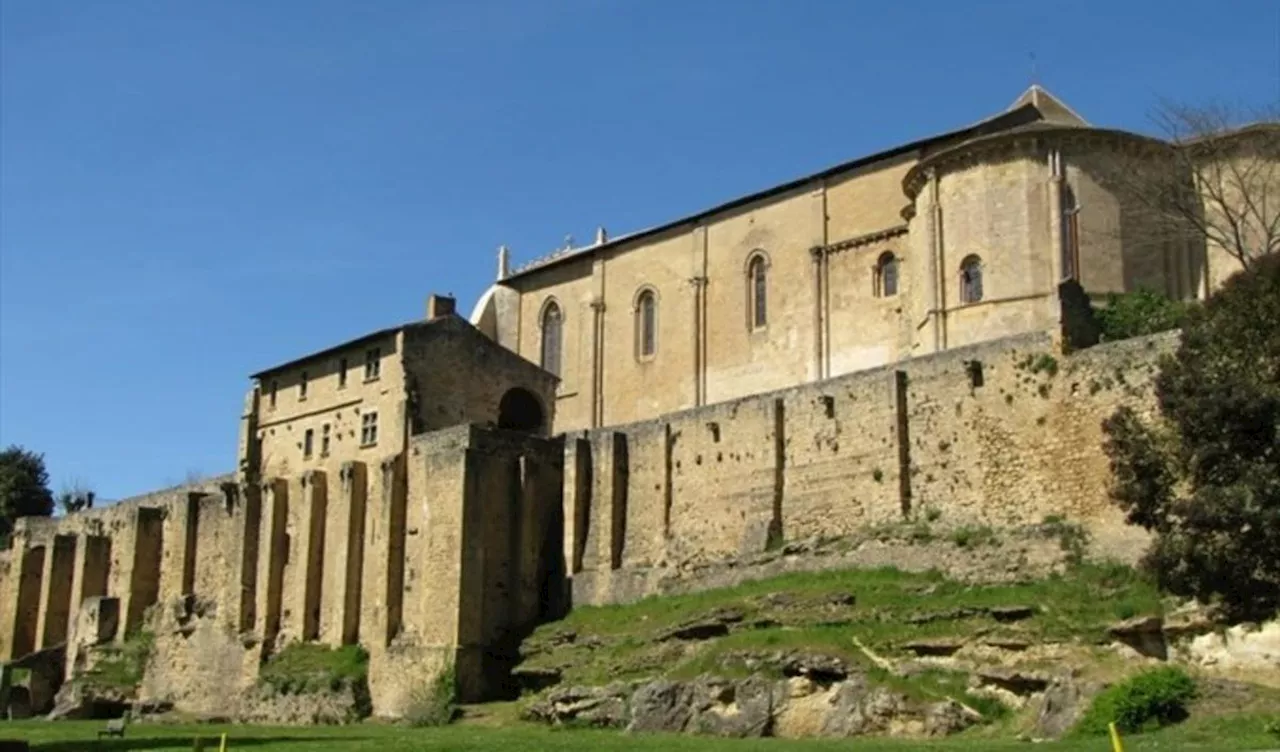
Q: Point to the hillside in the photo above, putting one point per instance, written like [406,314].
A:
[902,654]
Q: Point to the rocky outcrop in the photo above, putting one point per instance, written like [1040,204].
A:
[348,703]
[601,707]
[799,706]
[1061,705]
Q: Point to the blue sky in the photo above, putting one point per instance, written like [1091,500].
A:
[190,192]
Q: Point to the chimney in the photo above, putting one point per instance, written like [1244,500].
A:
[504,262]
[601,236]
[439,305]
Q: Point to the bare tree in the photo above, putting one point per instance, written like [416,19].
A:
[75,496]
[1215,181]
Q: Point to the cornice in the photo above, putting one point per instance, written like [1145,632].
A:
[858,241]
[1027,140]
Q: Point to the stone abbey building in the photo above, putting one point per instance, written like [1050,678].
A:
[850,349]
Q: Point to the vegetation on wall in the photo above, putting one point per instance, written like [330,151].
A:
[434,703]
[303,667]
[24,487]
[121,667]
[1139,313]
[1204,476]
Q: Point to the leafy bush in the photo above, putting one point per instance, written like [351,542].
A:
[1143,702]
[303,667]
[434,703]
[1205,477]
[1138,313]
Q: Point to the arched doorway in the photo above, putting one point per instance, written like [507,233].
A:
[520,410]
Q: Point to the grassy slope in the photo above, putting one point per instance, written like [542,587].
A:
[1240,733]
[617,642]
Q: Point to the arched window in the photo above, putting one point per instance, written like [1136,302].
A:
[1070,233]
[552,333]
[886,284]
[971,279]
[758,291]
[646,324]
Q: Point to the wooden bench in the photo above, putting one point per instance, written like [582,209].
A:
[115,727]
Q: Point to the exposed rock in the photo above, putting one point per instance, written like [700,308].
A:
[698,630]
[933,647]
[661,706]
[78,700]
[334,707]
[1247,652]
[753,707]
[1190,622]
[535,679]
[735,709]
[1006,643]
[779,600]
[1012,613]
[562,637]
[1060,707]
[1013,680]
[714,624]
[604,707]
[801,546]
[952,614]
[819,668]
[841,599]
[1145,634]
[948,717]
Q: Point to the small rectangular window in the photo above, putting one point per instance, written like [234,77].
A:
[275,387]
[307,442]
[368,429]
[324,441]
[342,373]
[372,363]
[302,386]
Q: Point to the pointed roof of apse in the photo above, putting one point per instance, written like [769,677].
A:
[1053,109]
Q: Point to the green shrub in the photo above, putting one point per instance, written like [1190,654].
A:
[434,703]
[1203,475]
[1138,313]
[1143,702]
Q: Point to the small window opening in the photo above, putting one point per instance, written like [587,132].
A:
[368,429]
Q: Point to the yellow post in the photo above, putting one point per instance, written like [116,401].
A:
[1116,745]
[223,746]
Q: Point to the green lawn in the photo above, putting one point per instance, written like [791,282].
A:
[1224,733]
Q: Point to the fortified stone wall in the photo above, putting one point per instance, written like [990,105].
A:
[115,551]
[447,554]
[999,434]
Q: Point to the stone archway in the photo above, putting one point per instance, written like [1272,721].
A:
[520,410]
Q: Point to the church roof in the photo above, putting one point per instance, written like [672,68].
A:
[1055,111]
[1034,105]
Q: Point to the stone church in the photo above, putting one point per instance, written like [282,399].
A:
[961,238]
[854,348]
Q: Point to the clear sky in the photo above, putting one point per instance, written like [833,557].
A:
[190,192]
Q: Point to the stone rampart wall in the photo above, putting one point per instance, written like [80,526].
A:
[1004,433]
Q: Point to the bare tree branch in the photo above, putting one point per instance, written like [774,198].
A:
[1215,180]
